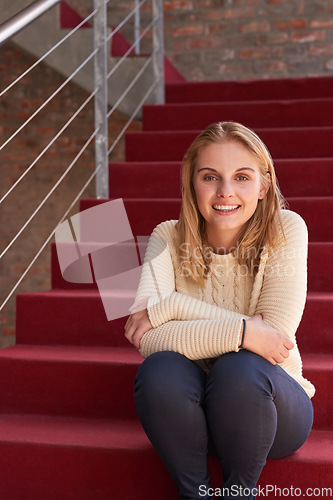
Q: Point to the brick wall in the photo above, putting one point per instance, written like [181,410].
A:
[237,39]
[15,107]
[244,39]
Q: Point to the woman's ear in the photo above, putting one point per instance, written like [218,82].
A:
[265,185]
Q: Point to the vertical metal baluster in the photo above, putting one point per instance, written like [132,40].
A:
[137,26]
[101,100]
[158,43]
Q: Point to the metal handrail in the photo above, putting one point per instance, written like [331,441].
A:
[21,20]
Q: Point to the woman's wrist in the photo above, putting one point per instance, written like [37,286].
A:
[252,326]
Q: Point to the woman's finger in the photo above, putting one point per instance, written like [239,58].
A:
[289,344]
[136,339]
[129,332]
[128,322]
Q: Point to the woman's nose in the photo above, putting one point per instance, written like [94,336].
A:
[225,190]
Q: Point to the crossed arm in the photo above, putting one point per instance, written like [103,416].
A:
[260,337]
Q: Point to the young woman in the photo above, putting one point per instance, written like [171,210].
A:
[221,295]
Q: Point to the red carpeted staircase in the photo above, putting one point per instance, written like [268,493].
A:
[68,428]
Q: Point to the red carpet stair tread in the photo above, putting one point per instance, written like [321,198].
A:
[68,427]
[69,321]
[270,114]
[255,90]
[164,178]
[79,458]
[289,142]
[143,218]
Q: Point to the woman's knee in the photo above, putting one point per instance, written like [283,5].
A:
[241,371]
[295,415]
[169,375]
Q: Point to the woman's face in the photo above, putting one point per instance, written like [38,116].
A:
[227,183]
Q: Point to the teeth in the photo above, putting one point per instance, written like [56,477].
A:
[225,207]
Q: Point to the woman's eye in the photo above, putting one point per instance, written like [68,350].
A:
[209,178]
[242,178]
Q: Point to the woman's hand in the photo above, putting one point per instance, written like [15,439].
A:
[136,326]
[266,341]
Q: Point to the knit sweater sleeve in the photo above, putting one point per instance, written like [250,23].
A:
[283,294]
[181,323]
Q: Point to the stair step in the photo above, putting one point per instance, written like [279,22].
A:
[320,278]
[297,142]
[315,211]
[143,218]
[78,459]
[77,317]
[74,317]
[70,381]
[259,114]
[164,178]
[98,382]
[43,457]
[282,88]
[319,370]
[93,372]
[310,467]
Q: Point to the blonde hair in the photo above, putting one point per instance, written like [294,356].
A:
[262,229]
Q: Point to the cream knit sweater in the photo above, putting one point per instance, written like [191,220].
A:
[205,323]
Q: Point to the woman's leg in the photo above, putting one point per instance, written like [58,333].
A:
[169,390]
[253,409]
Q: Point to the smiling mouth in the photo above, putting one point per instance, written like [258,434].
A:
[226,209]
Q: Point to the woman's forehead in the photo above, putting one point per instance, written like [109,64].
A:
[230,154]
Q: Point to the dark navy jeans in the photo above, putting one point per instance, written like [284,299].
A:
[246,407]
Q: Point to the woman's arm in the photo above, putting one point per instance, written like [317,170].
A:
[195,339]
[282,298]
[186,337]
[283,295]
